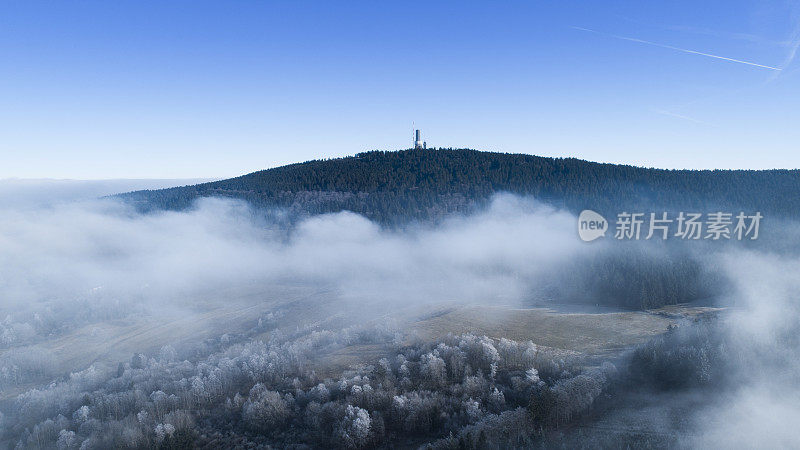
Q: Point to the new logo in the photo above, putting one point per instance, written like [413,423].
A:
[591,225]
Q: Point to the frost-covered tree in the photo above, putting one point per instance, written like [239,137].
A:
[355,428]
[265,410]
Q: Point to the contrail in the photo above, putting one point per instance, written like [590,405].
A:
[678,116]
[679,49]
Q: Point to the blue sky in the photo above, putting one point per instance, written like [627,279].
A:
[165,89]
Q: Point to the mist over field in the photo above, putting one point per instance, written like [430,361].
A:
[227,325]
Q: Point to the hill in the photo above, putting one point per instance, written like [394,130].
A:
[396,187]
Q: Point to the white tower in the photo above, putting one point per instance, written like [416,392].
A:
[417,140]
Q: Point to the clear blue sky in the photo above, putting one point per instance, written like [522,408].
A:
[162,89]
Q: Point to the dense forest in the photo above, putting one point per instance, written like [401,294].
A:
[635,278]
[396,187]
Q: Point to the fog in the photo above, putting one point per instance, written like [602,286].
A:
[74,264]
[71,249]
[761,407]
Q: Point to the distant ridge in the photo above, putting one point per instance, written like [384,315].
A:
[395,187]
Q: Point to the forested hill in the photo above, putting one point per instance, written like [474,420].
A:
[395,187]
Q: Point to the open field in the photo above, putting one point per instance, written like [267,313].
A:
[592,334]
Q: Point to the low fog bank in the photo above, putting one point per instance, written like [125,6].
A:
[515,252]
[89,248]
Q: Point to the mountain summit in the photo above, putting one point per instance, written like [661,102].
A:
[394,187]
